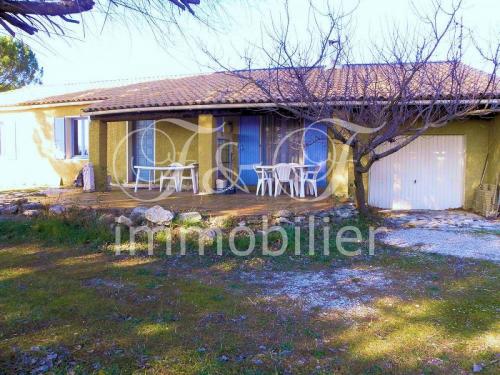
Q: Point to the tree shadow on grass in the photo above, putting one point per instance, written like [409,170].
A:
[408,336]
[115,312]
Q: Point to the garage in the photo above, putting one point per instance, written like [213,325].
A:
[426,174]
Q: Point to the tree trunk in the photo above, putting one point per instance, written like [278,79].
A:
[360,192]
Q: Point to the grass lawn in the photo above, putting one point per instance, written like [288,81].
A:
[63,294]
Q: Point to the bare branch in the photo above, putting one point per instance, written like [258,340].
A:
[31,16]
[404,90]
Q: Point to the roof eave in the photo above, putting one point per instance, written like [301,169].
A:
[17,108]
[191,107]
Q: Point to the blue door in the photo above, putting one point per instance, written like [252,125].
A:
[249,148]
[143,146]
[316,149]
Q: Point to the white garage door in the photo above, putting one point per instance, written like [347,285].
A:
[426,174]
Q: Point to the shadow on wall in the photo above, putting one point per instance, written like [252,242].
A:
[43,139]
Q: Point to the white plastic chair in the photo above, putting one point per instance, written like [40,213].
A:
[263,178]
[283,173]
[173,176]
[296,176]
[311,180]
[182,176]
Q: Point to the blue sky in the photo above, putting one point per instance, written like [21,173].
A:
[132,50]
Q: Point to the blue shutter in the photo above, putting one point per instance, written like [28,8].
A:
[316,149]
[249,148]
[59,138]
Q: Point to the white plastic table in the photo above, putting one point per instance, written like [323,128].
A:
[192,167]
[265,168]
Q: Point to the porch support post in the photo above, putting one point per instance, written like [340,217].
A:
[98,152]
[206,153]
[338,162]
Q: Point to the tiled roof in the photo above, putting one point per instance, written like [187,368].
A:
[349,82]
[353,82]
[67,92]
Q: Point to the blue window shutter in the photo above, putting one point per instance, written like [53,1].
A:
[59,138]
[249,148]
[316,149]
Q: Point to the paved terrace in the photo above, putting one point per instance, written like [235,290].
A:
[239,204]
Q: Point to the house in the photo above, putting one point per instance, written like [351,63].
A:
[46,141]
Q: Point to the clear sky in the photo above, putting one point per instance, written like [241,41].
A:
[128,50]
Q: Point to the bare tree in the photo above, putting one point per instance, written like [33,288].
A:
[31,16]
[379,107]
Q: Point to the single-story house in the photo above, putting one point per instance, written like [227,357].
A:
[47,140]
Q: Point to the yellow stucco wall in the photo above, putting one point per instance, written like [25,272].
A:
[117,151]
[98,153]
[338,167]
[175,143]
[493,170]
[34,163]
[206,153]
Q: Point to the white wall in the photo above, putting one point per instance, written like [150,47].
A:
[33,163]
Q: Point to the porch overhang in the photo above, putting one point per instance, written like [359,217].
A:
[206,144]
[272,105]
[206,150]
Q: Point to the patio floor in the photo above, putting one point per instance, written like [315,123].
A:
[239,204]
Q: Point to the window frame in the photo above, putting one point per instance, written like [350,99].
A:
[70,122]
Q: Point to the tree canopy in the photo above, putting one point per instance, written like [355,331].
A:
[18,65]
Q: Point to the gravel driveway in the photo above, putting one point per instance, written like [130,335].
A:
[456,233]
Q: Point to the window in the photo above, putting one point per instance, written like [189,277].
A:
[79,131]
[223,138]
[71,137]
[282,142]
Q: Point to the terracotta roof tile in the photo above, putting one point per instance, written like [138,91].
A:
[348,82]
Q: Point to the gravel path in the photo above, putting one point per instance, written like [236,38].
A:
[458,233]
[443,220]
[462,244]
